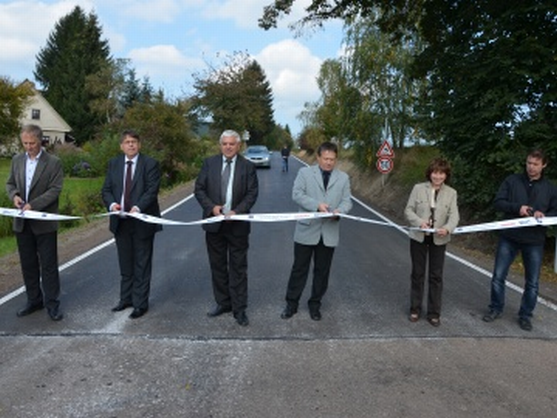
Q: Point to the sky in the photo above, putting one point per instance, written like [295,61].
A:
[169,40]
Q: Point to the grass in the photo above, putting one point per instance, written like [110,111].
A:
[7,245]
[80,196]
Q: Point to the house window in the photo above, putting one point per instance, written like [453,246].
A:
[35,114]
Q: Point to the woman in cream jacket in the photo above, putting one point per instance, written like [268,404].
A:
[432,206]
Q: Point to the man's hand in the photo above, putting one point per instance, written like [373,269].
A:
[538,214]
[526,210]
[217,210]
[229,214]
[20,204]
[323,207]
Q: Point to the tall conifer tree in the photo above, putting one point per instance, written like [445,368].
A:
[74,51]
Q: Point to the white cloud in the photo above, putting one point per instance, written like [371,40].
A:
[116,41]
[25,26]
[246,13]
[291,69]
[161,11]
[161,56]
[166,66]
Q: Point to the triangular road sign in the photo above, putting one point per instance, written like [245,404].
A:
[385,150]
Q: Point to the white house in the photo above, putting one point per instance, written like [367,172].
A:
[39,112]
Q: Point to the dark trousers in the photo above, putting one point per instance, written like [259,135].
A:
[135,256]
[421,253]
[228,258]
[38,255]
[322,259]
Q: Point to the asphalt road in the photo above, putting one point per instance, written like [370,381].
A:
[364,359]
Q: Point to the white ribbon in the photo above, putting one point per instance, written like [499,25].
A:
[279,217]
[506,224]
[156,220]
[366,220]
[33,214]
[282,217]
[259,217]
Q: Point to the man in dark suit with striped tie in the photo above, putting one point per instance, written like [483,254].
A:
[227,184]
[132,185]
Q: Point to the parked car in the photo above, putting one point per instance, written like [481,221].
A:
[259,155]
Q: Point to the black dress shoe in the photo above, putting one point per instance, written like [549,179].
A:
[121,306]
[55,314]
[315,315]
[288,312]
[138,313]
[492,316]
[29,309]
[242,318]
[219,310]
[525,324]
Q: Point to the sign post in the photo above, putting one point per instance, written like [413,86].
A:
[385,156]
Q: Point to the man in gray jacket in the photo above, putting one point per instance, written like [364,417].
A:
[35,183]
[319,188]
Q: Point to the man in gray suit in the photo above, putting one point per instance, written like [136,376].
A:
[132,185]
[35,182]
[319,188]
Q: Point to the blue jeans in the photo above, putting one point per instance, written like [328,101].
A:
[507,251]
[284,163]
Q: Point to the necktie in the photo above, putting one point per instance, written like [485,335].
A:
[326,175]
[127,187]
[225,179]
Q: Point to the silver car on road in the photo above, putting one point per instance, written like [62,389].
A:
[259,155]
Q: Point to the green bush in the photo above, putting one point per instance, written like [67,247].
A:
[74,160]
[88,203]
[5,221]
[101,151]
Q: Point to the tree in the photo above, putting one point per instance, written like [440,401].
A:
[13,99]
[366,97]
[237,96]
[74,51]
[124,91]
[107,101]
[340,102]
[310,138]
[380,69]
[491,69]
[320,11]
[493,89]
[135,90]
[167,135]
[278,137]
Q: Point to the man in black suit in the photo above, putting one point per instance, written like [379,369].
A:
[34,183]
[227,184]
[134,238]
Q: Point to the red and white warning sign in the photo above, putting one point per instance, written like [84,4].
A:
[386,150]
[384,165]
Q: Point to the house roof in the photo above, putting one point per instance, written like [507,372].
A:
[50,119]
